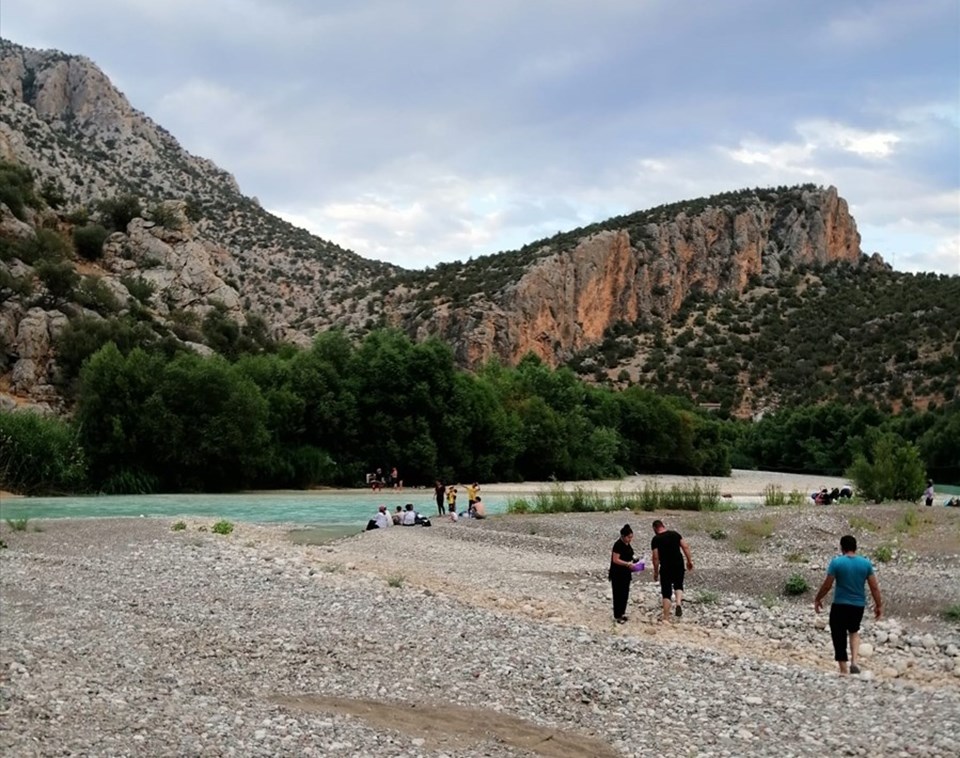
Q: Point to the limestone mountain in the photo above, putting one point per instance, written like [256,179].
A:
[61,116]
[709,298]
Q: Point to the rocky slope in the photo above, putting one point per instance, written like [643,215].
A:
[61,116]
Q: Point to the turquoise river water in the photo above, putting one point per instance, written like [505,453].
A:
[315,508]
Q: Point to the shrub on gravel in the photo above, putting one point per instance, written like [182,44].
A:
[773,495]
[883,554]
[222,527]
[18,524]
[718,534]
[952,613]
[707,597]
[396,580]
[179,526]
[796,585]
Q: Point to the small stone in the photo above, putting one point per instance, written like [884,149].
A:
[866,650]
[753,700]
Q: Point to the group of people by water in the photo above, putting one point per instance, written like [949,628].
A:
[446,497]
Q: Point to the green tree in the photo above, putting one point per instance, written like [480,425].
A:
[120,210]
[893,470]
[39,455]
[88,241]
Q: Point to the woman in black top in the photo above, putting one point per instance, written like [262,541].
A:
[621,572]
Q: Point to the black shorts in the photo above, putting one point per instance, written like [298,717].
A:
[670,581]
[846,618]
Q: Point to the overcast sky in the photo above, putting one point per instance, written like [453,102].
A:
[433,130]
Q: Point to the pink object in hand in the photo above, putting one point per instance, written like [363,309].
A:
[639,566]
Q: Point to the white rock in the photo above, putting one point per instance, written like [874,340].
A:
[866,649]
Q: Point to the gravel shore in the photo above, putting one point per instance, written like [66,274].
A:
[123,637]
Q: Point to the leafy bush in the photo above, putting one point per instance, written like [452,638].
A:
[952,613]
[88,241]
[93,293]
[179,526]
[519,505]
[13,286]
[16,188]
[796,585]
[883,554]
[718,534]
[396,580]
[222,527]
[707,597]
[60,279]
[18,524]
[139,288]
[165,215]
[119,211]
[39,455]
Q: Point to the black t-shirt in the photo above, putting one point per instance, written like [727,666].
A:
[667,545]
[625,552]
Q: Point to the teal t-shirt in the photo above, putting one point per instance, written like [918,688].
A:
[849,573]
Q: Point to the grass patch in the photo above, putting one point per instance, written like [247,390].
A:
[952,613]
[912,522]
[760,528]
[707,597]
[222,527]
[396,580]
[3,545]
[769,601]
[796,497]
[717,534]
[796,557]
[331,568]
[745,545]
[558,499]
[179,526]
[862,524]
[18,524]
[773,495]
[796,585]
[883,553]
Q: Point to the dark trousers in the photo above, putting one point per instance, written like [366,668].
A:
[621,593]
[844,619]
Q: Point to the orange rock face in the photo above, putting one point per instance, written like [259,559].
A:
[565,301]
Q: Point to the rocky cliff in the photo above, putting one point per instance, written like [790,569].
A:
[635,268]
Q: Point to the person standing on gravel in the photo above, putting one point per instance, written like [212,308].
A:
[621,572]
[668,550]
[849,571]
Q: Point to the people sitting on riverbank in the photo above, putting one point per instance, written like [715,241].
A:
[398,516]
[953,502]
[409,516]
[381,521]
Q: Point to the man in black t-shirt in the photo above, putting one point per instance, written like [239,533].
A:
[621,572]
[668,551]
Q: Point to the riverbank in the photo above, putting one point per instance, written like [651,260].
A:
[123,637]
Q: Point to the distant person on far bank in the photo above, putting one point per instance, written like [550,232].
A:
[928,493]
[669,550]
[849,571]
[621,573]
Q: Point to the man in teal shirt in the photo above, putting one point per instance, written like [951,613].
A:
[850,571]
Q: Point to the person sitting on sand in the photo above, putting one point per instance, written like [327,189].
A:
[381,521]
[398,516]
[479,509]
[409,516]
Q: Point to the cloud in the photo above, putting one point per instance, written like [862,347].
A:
[427,131]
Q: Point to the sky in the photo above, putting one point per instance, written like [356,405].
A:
[436,130]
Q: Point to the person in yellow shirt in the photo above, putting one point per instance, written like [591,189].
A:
[452,499]
[473,494]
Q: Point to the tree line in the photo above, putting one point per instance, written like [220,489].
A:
[147,420]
